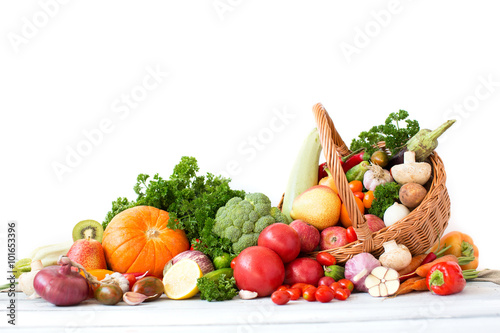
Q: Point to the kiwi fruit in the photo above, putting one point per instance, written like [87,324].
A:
[88,228]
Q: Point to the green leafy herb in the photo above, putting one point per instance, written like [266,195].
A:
[217,290]
[395,137]
[384,196]
[192,202]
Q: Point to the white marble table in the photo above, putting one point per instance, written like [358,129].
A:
[477,307]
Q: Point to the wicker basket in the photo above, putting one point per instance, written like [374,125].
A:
[418,231]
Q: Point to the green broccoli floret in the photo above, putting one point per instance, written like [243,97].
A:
[242,220]
[279,216]
[261,203]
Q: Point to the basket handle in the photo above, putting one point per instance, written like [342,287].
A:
[333,148]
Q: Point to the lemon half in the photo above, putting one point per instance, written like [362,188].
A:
[180,280]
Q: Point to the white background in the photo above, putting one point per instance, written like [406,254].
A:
[232,66]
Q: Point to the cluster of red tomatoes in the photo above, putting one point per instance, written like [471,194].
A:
[325,292]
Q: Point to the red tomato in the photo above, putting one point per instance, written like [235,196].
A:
[326,281]
[295,293]
[259,269]
[280,297]
[310,294]
[360,195]
[283,287]
[233,262]
[346,284]
[302,286]
[326,259]
[282,239]
[324,294]
[335,286]
[342,294]
[351,235]
[305,270]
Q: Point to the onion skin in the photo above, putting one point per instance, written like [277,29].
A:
[199,257]
[61,286]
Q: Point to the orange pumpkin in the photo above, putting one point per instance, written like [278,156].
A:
[138,240]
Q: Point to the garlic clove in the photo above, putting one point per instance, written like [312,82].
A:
[133,298]
[379,272]
[247,294]
[371,281]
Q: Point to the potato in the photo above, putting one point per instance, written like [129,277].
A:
[412,194]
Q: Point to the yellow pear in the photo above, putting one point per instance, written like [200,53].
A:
[318,206]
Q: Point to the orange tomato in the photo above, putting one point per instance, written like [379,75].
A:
[368,199]
[356,186]
[344,217]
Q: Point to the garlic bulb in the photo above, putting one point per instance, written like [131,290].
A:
[26,280]
[118,279]
[376,176]
[382,281]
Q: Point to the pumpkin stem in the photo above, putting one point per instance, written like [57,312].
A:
[152,233]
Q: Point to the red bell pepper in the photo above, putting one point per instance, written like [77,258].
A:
[445,278]
[354,159]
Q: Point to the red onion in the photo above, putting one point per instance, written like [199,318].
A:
[199,257]
[60,285]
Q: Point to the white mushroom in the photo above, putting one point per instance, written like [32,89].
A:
[411,171]
[395,256]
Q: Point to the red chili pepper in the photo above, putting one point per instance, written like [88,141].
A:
[354,159]
[445,278]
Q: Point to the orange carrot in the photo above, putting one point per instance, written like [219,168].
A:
[420,284]
[407,286]
[415,262]
[424,269]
